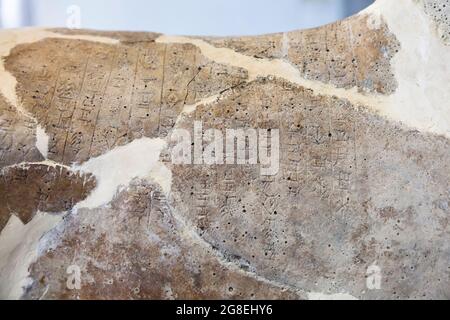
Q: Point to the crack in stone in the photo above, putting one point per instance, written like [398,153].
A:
[410,106]
[272,68]
[190,233]
[10,39]
[392,107]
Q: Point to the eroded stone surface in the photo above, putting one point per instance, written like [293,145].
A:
[123,36]
[356,190]
[27,189]
[268,46]
[439,10]
[350,192]
[138,250]
[17,137]
[349,53]
[92,97]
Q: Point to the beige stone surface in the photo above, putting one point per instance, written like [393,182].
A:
[362,108]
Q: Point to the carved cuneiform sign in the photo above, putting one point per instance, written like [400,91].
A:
[357,208]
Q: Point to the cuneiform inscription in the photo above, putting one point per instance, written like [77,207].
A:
[92,97]
[17,136]
[317,156]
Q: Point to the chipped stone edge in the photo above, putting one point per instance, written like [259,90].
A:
[11,38]
[390,106]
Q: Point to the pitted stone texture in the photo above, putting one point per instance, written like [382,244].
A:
[138,250]
[92,97]
[350,53]
[261,47]
[354,190]
[17,136]
[351,190]
[439,11]
[27,189]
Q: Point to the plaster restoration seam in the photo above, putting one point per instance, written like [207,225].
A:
[9,39]
[416,72]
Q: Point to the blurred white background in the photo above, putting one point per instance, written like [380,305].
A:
[187,17]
